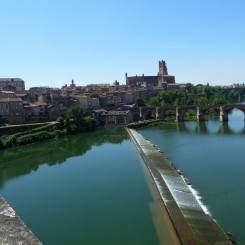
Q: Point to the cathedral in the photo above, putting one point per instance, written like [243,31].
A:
[149,81]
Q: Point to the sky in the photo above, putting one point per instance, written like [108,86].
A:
[51,42]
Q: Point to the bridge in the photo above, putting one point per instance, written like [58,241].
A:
[142,113]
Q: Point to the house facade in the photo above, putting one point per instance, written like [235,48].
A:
[17,83]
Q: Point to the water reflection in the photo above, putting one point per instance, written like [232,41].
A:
[236,121]
[213,126]
[191,126]
[53,152]
[235,124]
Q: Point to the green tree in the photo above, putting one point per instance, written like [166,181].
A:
[89,123]
[201,101]
[67,125]
[61,121]
[140,102]
[233,96]
[94,95]
[75,113]
[219,99]
[173,97]
[190,88]
[1,144]
[154,101]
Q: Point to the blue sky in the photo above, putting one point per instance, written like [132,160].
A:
[50,42]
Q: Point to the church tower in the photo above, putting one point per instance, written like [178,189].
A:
[162,68]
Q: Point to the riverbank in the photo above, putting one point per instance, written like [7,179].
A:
[191,223]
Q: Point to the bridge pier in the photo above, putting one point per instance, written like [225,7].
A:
[179,115]
[239,97]
[158,114]
[142,116]
[223,116]
[200,115]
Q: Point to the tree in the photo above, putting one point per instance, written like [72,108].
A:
[233,96]
[219,99]
[201,101]
[1,144]
[61,121]
[154,101]
[89,123]
[94,95]
[173,97]
[75,113]
[140,102]
[189,88]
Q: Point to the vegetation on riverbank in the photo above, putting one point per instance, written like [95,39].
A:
[197,96]
[193,96]
[74,122]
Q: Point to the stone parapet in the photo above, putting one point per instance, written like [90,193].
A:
[12,229]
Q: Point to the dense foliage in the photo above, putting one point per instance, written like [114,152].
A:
[74,122]
[195,95]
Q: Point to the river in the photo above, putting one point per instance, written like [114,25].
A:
[85,189]
[211,155]
[92,188]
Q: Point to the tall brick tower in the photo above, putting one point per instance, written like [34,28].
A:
[163,68]
[163,71]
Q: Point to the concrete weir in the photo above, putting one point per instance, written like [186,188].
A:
[191,223]
[12,230]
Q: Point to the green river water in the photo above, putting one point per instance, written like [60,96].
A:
[86,189]
[211,155]
[91,188]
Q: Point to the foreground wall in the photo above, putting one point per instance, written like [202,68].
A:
[12,229]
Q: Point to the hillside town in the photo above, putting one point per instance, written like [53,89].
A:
[106,102]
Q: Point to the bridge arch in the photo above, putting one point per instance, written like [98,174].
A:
[179,112]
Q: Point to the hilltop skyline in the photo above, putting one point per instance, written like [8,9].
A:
[49,43]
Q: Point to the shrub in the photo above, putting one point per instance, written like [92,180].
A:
[1,145]
[59,133]
[89,123]
[39,136]
[10,140]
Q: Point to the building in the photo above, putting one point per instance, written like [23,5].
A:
[151,81]
[7,94]
[16,83]
[87,102]
[11,107]
[114,117]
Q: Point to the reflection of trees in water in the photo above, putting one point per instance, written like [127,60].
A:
[24,159]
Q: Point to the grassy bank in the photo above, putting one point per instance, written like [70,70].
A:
[28,134]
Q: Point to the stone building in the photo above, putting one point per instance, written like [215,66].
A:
[11,107]
[151,81]
[17,83]
[113,117]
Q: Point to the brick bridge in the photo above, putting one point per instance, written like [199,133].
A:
[142,113]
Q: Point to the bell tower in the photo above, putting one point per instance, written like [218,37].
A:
[162,68]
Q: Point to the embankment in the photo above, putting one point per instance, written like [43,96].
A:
[191,223]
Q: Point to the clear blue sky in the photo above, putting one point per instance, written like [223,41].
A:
[50,42]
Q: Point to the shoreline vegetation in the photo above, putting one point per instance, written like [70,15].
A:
[75,122]
[17,135]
